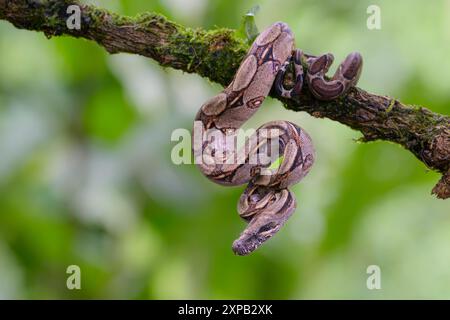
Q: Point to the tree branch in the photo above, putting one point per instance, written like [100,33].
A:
[216,55]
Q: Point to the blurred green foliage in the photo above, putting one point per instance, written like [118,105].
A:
[86,176]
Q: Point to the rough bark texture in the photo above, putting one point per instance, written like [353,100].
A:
[216,55]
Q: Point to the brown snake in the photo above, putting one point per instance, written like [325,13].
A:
[266,203]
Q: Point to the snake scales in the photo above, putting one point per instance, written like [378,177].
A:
[267,202]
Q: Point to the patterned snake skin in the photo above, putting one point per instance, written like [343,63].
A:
[267,202]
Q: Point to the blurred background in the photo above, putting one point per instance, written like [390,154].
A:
[86,176]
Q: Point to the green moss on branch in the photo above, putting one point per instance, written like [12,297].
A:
[216,55]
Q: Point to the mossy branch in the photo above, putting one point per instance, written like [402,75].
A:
[216,55]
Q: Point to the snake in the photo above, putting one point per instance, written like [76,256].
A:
[266,203]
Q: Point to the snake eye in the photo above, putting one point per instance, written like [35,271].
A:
[267,227]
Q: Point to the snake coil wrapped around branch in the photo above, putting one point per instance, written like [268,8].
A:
[267,202]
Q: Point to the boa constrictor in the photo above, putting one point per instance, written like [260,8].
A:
[266,203]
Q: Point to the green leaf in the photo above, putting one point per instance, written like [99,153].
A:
[248,29]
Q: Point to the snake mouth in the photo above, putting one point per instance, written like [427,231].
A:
[250,239]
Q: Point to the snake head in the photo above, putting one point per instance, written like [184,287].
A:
[266,210]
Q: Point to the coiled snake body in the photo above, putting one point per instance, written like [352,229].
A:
[266,203]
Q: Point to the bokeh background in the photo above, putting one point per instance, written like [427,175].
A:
[86,176]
